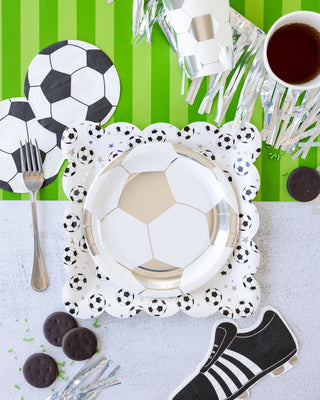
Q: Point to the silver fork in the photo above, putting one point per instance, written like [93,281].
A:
[32,171]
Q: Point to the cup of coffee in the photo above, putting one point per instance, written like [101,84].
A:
[292,50]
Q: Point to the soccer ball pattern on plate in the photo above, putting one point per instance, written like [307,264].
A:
[227,292]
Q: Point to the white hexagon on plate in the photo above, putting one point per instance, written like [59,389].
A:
[16,130]
[65,110]
[125,238]
[10,167]
[193,184]
[150,158]
[52,162]
[40,104]
[112,85]
[68,59]
[46,139]
[87,86]
[40,67]
[179,20]
[187,44]
[198,7]
[223,34]
[18,185]
[208,51]
[173,4]
[220,10]
[4,108]
[105,192]
[179,235]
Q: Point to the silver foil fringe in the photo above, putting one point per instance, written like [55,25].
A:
[89,381]
[291,117]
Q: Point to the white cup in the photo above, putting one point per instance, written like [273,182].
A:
[303,17]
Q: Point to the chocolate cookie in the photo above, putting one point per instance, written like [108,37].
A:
[303,184]
[79,344]
[56,326]
[40,370]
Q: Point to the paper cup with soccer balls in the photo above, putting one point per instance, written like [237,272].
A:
[203,35]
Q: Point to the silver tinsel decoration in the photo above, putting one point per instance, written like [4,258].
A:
[291,117]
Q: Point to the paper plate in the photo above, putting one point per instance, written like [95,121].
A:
[161,220]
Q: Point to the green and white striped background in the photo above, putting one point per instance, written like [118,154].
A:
[150,76]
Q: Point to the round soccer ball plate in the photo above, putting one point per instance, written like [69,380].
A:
[161,220]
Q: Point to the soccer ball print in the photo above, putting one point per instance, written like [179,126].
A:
[185,302]
[206,46]
[97,303]
[124,297]
[69,81]
[18,123]
[159,219]
[234,291]
[157,307]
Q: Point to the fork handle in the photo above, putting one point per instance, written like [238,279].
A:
[39,278]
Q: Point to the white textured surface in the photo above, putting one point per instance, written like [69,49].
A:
[157,354]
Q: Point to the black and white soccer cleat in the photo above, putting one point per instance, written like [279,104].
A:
[238,359]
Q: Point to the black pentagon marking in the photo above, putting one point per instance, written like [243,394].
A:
[21,110]
[98,60]
[17,160]
[53,47]
[56,86]
[99,110]
[27,85]
[5,186]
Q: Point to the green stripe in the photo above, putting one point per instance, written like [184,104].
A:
[141,93]
[160,77]
[67,29]
[123,58]
[254,12]
[238,5]
[270,169]
[311,5]
[178,107]
[104,31]
[86,20]
[11,76]
[48,34]
[67,19]
[193,114]
[289,6]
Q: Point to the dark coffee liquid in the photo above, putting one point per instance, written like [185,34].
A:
[294,53]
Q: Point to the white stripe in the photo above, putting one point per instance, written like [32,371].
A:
[233,388]
[245,361]
[235,370]
[220,393]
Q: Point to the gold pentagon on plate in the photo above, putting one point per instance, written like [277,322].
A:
[146,196]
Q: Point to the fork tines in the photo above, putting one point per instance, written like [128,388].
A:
[30,157]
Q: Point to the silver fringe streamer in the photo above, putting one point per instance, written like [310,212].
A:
[287,121]
[78,390]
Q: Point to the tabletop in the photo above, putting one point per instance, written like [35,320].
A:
[156,355]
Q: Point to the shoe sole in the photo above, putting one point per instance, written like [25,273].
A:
[284,366]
